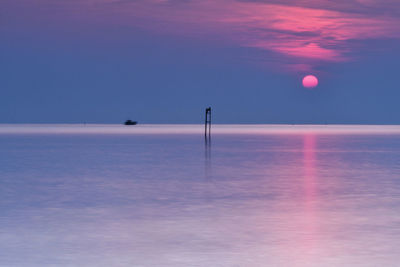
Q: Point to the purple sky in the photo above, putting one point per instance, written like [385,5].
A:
[94,55]
[303,33]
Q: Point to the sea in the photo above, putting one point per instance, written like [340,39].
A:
[166,195]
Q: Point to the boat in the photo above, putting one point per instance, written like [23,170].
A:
[130,122]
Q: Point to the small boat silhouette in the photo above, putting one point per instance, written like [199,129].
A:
[130,122]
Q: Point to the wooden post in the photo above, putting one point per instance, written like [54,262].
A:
[207,124]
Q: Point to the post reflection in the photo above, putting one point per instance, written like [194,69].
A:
[207,156]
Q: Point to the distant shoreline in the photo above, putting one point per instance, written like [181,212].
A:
[255,129]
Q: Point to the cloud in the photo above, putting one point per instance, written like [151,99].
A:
[364,7]
[305,33]
[310,32]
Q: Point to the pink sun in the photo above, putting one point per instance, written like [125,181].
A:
[310,81]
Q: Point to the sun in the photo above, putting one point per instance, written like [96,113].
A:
[310,81]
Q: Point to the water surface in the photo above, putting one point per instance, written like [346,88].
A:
[159,195]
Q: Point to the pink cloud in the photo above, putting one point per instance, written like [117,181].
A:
[305,33]
[313,35]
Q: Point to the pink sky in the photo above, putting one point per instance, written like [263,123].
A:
[308,33]
[304,33]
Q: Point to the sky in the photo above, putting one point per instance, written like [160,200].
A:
[165,61]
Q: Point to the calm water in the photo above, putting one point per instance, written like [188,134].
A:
[159,196]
